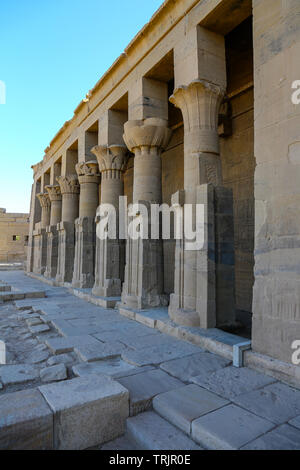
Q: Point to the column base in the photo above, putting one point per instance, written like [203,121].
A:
[181,316]
[111,288]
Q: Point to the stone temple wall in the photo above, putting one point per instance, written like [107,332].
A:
[197,110]
[14,231]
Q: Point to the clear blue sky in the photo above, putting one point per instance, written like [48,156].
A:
[52,52]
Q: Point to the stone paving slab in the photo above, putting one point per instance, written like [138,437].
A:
[96,352]
[88,411]
[26,421]
[39,328]
[277,402]
[65,345]
[183,405]
[230,382]
[145,386]
[112,367]
[229,428]
[152,432]
[17,373]
[158,354]
[149,341]
[284,437]
[53,373]
[125,337]
[121,443]
[201,363]
[295,422]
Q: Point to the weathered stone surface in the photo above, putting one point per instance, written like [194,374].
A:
[188,367]
[150,341]
[229,428]
[88,411]
[158,354]
[39,328]
[152,432]
[112,367]
[143,387]
[232,381]
[277,402]
[26,421]
[295,422]
[121,443]
[95,352]
[38,356]
[284,437]
[61,359]
[19,373]
[33,321]
[53,373]
[64,345]
[183,405]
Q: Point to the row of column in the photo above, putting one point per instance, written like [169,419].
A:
[78,256]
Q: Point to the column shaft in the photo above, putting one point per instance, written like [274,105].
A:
[110,253]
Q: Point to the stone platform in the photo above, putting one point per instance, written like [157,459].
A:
[166,392]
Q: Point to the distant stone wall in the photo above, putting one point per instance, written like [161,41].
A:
[14,229]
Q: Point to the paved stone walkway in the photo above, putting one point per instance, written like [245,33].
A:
[176,388]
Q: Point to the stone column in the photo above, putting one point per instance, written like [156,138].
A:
[56,203]
[46,208]
[40,236]
[52,234]
[35,216]
[143,286]
[110,253]
[69,187]
[194,300]
[85,230]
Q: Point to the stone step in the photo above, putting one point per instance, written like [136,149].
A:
[183,405]
[121,443]
[5,288]
[19,295]
[151,432]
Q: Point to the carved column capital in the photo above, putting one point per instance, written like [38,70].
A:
[46,207]
[54,192]
[44,200]
[112,160]
[148,135]
[88,172]
[68,184]
[199,103]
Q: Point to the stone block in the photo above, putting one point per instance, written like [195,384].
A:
[143,387]
[96,352]
[88,411]
[277,402]
[152,432]
[183,405]
[197,364]
[39,328]
[228,428]
[230,382]
[284,437]
[157,354]
[113,367]
[16,374]
[65,345]
[26,421]
[53,373]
